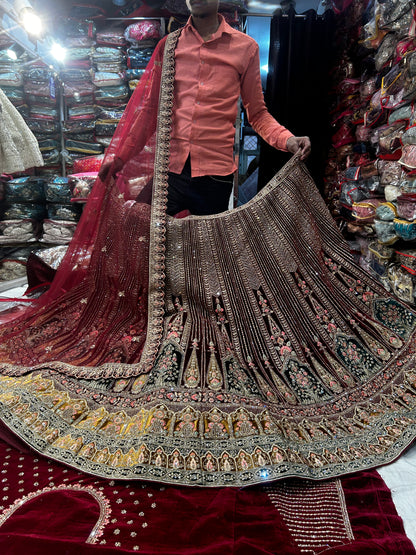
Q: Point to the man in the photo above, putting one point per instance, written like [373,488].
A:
[214,65]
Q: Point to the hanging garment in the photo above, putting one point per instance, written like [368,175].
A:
[224,350]
[19,149]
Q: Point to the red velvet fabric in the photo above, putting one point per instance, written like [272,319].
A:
[64,516]
[154,519]
[38,272]
[376,525]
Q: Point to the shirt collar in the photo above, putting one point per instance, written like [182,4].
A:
[223,27]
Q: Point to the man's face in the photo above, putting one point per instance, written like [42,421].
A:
[202,7]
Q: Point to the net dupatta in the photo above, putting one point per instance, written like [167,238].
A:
[103,280]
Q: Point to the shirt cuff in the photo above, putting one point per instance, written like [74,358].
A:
[281,140]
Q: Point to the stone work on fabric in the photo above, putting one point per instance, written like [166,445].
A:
[102,501]
[267,368]
[122,514]
[140,517]
[314,512]
[265,353]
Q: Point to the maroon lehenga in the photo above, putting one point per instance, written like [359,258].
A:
[224,350]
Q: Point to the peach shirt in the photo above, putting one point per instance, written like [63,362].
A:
[209,78]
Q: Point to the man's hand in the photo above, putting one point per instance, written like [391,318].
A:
[301,145]
[110,168]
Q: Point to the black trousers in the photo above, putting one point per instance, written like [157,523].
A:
[208,194]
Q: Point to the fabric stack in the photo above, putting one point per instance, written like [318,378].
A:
[111,91]
[142,37]
[23,211]
[21,224]
[371,170]
[35,212]
[59,227]
[41,93]
[78,89]
[11,80]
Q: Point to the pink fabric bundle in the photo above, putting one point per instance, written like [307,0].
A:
[88,164]
[143,30]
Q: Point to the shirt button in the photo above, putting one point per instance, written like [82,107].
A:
[202,84]
[202,62]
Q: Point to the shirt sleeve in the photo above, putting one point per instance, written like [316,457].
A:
[252,97]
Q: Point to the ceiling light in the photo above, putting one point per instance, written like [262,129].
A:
[58,52]
[12,54]
[31,22]
[262,6]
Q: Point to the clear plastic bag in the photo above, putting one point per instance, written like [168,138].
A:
[81,112]
[67,212]
[58,232]
[81,184]
[11,79]
[403,113]
[88,164]
[409,136]
[57,190]
[78,88]
[108,54]
[74,75]
[385,231]
[390,139]
[78,126]
[105,80]
[20,211]
[24,189]
[143,30]
[120,92]
[138,58]
[385,51]
[86,148]
[106,128]
[391,173]
[386,211]
[408,158]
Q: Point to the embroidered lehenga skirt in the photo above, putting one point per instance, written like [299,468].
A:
[211,351]
[278,357]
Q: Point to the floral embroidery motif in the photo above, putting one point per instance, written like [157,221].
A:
[216,425]
[238,379]
[305,385]
[357,359]
[192,373]
[214,377]
[166,368]
[395,316]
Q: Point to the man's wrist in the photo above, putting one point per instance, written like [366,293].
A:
[292,144]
